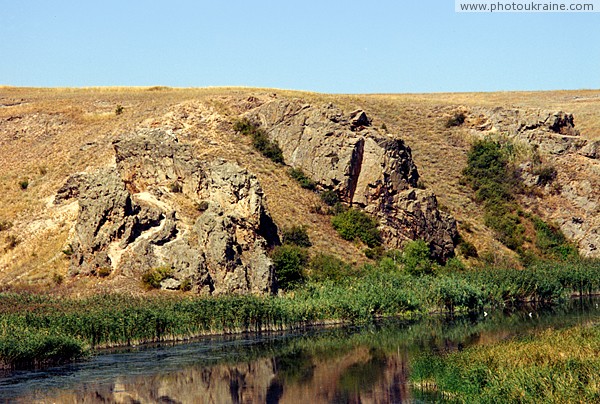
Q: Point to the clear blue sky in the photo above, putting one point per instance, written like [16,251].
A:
[325,46]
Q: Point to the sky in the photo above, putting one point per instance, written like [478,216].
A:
[399,46]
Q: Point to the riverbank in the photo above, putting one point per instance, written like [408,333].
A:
[559,366]
[366,363]
[42,329]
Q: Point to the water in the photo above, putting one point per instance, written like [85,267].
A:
[345,365]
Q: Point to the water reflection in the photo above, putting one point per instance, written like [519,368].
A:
[346,365]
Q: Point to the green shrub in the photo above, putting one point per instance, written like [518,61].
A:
[467,249]
[244,126]
[507,228]
[186,285]
[153,277]
[24,184]
[260,140]
[296,235]
[329,197]
[354,224]
[454,265]
[304,181]
[119,109]
[290,262]
[494,180]
[375,253]
[417,258]
[487,167]
[328,267]
[337,209]
[552,242]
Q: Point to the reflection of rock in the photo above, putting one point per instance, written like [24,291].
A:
[355,376]
[366,168]
[162,207]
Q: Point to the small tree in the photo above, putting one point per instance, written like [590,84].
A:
[417,258]
[296,235]
[329,197]
[289,261]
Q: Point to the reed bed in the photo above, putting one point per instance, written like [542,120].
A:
[37,329]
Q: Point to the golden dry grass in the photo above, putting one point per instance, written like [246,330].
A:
[48,134]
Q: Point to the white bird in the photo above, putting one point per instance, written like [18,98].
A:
[530,315]
[485,314]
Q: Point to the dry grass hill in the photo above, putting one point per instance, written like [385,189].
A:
[48,134]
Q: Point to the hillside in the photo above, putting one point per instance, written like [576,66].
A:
[46,135]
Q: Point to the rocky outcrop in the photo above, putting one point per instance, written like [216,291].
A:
[550,132]
[367,169]
[207,223]
[591,150]
[569,196]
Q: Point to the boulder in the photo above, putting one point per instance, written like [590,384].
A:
[144,215]
[366,168]
[591,150]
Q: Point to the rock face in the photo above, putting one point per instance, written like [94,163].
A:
[551,132]
[161,207]
[366,168]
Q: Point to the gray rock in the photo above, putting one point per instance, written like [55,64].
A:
[366,168]
[130,220]
[550,132]
[591,150]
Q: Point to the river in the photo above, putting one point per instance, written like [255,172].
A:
[367,364]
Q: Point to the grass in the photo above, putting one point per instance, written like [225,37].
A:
[553,366]
[67,328]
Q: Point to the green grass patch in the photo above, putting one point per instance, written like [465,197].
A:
[553,366]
